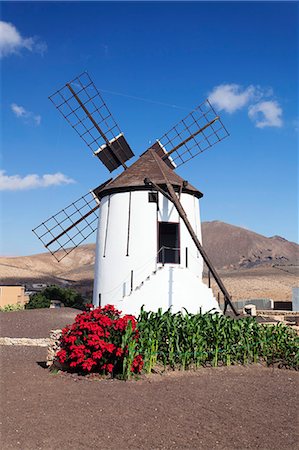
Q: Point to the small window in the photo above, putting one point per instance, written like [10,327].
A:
[153,197]
[169,243]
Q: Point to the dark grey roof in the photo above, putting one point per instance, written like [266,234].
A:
[147,166]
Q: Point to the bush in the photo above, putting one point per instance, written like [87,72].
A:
[38,300]
[68,297]
[9,308]
[101,341]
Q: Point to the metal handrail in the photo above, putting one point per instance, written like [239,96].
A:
[163,248]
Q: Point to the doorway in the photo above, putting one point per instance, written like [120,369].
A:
[169,242]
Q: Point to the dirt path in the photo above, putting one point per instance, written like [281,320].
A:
[223,408]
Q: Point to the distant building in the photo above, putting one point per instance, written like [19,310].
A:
[35,287]
[39,286]
[295,299]
[13,295]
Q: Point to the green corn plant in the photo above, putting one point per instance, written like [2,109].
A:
[183,340]
[129,346]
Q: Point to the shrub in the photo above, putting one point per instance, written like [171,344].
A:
[38,300]
[9,308]
[67,296]
[101,341]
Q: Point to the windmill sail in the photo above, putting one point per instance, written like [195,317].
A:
[68,228]
[197,132]
[82,105]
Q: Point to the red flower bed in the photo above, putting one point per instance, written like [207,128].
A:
[98,341]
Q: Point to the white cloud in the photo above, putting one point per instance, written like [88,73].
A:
[295,124]
[231,97]
[266,114]
[27,116]
[37,119]
[32,181]
[18,110]
[12,42]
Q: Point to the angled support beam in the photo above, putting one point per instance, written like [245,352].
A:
[171,195]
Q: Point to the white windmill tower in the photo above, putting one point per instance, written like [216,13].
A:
[148,249]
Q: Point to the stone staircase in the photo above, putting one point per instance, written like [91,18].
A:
[169,286]
[148,278]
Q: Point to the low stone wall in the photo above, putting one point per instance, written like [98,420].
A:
[43,342]
[53,344]
[53,347]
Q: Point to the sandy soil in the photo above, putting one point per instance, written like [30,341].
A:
[35,323]
[264,282]
[223,408]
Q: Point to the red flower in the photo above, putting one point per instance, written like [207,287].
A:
[137,364]
[93,341]
[119,352]
[61,356]
[110,308]
[97,355]
[74,364]
[88,363]
[109,368]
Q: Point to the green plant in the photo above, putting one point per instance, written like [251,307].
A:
[38,300]
[69,297]
[10,308]
[101,341]
[192,340]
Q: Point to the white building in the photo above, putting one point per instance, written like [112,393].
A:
[144,253]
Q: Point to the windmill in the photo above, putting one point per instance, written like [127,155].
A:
[147,218]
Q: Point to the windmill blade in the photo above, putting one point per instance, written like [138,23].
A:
[67,229]
[82,105]
[197,132]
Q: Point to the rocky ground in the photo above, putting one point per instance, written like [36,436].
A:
[223,408]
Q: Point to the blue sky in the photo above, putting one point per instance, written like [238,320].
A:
[243,55]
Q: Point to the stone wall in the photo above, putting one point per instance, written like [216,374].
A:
[53,347]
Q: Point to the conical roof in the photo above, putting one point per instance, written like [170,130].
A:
[149,165]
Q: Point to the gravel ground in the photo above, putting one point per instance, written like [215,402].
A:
[35,323]
[222,408]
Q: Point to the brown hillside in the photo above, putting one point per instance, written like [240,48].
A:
[233,247]
[77,266]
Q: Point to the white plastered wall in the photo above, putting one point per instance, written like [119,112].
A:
[127,246]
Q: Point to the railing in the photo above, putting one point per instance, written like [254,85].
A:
[168,255]
[165,255]
[136,276]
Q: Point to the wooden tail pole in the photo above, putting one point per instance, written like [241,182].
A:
[171,193]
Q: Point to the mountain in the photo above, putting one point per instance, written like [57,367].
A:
[228,246]
[43,267]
